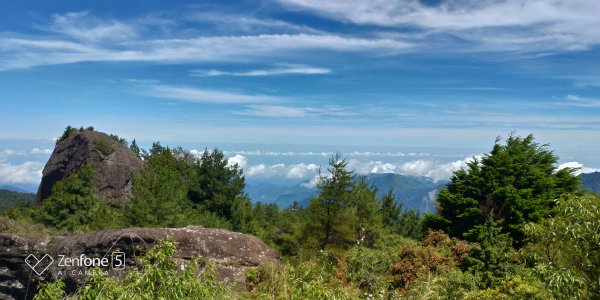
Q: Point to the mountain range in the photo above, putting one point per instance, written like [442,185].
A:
[415,192]
[591,182]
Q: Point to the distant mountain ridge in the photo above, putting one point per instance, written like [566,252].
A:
[20,188]
[9,198]
[591,182]
[415,192]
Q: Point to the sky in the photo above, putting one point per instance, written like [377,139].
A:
[405,86]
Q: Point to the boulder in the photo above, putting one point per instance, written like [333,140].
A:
[232,253]
[112,162]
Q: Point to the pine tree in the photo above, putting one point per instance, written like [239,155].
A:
[368,220]
[332,217]
[390,209]
[135,149]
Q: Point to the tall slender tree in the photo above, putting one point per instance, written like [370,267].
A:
[332,216]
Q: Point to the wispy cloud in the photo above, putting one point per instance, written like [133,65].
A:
[73,38]
[284,69]
[197,95]
[246,23]
[508,25]
[574,100]
[280,111]
[84,26]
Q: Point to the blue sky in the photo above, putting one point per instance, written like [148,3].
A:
[436,81]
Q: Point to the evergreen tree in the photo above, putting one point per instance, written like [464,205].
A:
[160,191]
[73,204]
[218,184]
[332,217]
[368,220]
[390,209]
[515,183]
[135,149]
[403,222]
[491,260]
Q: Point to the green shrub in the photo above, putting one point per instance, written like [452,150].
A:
[512,288]
[313,279]
[104,147]
[449,284]
[566,248]
[159,277]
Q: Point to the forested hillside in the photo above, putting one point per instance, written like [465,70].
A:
[508,226]
[591,182]
[12,198]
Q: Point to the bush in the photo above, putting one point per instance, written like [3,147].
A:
[313,279]
[566,248]
[104,147]
[73,206]
[160,277]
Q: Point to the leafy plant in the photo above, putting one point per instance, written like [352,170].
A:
[104,147]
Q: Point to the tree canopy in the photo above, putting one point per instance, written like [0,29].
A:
[515,183]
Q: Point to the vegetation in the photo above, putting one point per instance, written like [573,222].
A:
[514,184]
[70,131]
[10,198]
[119,139]
[510,226]
[104,147]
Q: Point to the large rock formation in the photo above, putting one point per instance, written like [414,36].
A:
[232,252]
[111,161]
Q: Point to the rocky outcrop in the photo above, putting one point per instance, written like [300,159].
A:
[112,162]
[232,253]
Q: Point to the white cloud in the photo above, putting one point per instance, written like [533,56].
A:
[294,171]
[85,27]
[24,173]
[286,69]
[312,183]
[196,153]
[265,171]
[41,151]
[581,168]
[277,153]
[240,160]
[428,168]
[301,171]
[10,152]
[197,95]
[574,100]
[383,168]
[422,167]
[280,111]
[245,23]
[274,111]
[505,25]
[75,39]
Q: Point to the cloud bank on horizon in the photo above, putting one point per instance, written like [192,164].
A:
[27,170]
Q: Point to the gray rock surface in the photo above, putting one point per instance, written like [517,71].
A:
[232,253]
[112,170]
